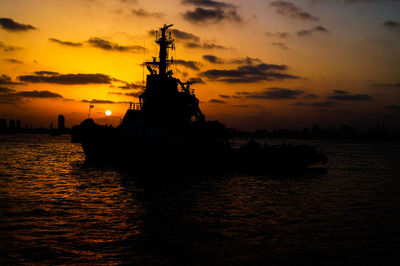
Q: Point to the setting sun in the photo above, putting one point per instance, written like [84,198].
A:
[108,113]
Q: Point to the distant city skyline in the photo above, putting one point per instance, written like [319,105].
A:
[258,64]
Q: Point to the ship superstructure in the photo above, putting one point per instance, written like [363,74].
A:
[167,129]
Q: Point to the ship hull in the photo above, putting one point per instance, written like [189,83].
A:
[114,146]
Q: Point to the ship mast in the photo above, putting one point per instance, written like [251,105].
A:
[165,43]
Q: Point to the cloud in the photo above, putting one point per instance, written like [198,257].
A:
[280,45]
[13,61]
[6,90]
[46,73]
[317,104]
[131,86]
[9,48]
[341,95]
[282,35]
[180,35]
[310,96]
[66,43]
[67,79]
[189,64]
[245,60]
[213,59]
[9,96]
[393,107]
[96,101]
[386,85]
[202,15]
[131,94]
[204,45]
[10,25]
[310,31]
[273,94]
[109,46]
[224,96]
[140,12]
[190,40]
[249,73]
[196,80]
[6,80]
[290,10]
[216,101]
[393,25]
[38,94]
[208,3]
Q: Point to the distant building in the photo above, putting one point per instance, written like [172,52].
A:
[61,122]
[12,123]
[18,123]
[3,123]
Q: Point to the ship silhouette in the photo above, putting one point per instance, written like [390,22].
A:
[167,130]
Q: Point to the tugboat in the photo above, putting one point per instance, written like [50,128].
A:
[167,129]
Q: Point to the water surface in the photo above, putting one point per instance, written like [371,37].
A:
[55,210]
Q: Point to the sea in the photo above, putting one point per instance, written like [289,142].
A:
[56,209]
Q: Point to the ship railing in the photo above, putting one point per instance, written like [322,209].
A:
[135,106]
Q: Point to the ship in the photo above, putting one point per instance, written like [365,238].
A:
[166,130]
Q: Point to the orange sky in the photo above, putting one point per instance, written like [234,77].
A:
[263,64]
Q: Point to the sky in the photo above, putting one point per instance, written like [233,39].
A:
[258,64]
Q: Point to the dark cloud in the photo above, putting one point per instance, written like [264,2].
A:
[9,96]
[13,61]
[245,61]
[317,104]
[38,94]
[201,15]
[282,35]
[280,45]
[386,84]
[196,80]
[341,95]
[224,96]
[249,73]
[6,90]
[9,48]
[96,101]
[189,64]
[140,12]
[393,25]
[274,94]
[10,25]
[208,3]
[182,35]
[204,45]
[393,107]
[6,80]
[190,40]
[131,86]
[213,59]
[109,46]
[46,73]
[67,79]
[309,32]
[66,43]
[216,101]
[310,96]
[290,10]
[134,94]
[131,94]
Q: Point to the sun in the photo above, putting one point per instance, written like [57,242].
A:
[108,113]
